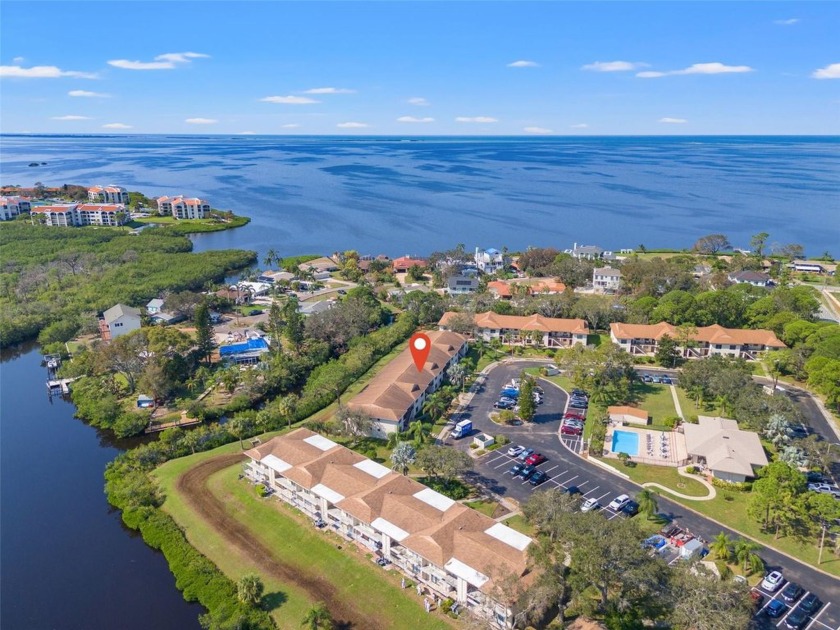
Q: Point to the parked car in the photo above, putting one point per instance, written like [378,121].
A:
[502,404]
[538,477]
[525,454]
[815,477]
[810,604]
[798,431]
[574,415]
[792,592]
[510,392]
[514,451]
[647,378]
[579,392]
[796,620]
[772,581]
[589,505]
[666,380]
[516,469]
[527,471]
[631,508]
[775,609]
[619,502]
[757,598]
[825,488]
[535,459]
[570,430]
[572,491]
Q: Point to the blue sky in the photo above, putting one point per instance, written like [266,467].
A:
[424,68]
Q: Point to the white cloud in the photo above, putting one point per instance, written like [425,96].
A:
[414,119]
[289,100]
[831,71]
[351,125]
[86,94]
[614,66]
[476,119]
[697,68]
[18,60]
[43,72]
[538,130]
[330,90]
[70,117]
[290,126]
[673,121]
[522,63]
[201,121]
[116,126]
[579,126]
[247,133]
[418,100]
[787,22]
[166,61]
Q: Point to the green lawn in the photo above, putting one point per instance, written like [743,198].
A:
[656,399]
[664,475]
[690,409]
[519,523]
[371,590]
[488,508]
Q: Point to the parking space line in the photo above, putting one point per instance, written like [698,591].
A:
[791,609]
[602,496]
[583,483]
[552,468]
[505,463]
[817,616]
[770,596]
[592,490]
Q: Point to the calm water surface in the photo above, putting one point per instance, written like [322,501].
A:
[67,561]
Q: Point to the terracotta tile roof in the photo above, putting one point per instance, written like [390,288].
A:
[709,334]
[437,528]
[102,207]
[398,385]
[503,288]
[530,322]
[627,411]
[55,208]
[404,262]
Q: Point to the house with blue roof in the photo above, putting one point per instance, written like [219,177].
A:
[489,260]
[246,352]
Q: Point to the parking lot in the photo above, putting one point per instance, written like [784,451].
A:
[826,617]
[565,469]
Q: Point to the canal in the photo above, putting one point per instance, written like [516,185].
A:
[68,561]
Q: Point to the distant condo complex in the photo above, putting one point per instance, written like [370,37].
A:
[80,214]
[108,194]
[183,208]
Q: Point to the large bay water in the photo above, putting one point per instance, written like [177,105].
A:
[418,194]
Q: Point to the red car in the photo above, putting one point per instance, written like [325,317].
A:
[536,459]
[570,430]
[573,415]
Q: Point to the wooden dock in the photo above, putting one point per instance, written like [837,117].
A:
[63,385]
[182,422]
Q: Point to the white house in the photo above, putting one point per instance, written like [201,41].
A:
[590,252]
[449,549]
[119,320]
[396,395]
[606,279]
[755,278]
[10,207]
[76,215]
[154,306]
[461,285]
[489,260]
[731,454]
[108,194]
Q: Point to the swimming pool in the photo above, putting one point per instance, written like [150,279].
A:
[625,442]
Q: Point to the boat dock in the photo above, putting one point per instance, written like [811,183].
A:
[62,385]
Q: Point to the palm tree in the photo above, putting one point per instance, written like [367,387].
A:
[745,553]
[722,546]
[239,426]
[418,432]
[270,257]
[250,589]
[403,456]
[457,373]
[435,406]
[318,618]
[286,408]
[647,503]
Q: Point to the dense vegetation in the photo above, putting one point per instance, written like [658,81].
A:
[54,281]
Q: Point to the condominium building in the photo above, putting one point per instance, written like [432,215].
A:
[531,330]
[450,550]
[183,208]
[396,395]
[10,207]
[75,214]
[108,194]
[643,340]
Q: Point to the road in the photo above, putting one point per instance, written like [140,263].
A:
[565,469]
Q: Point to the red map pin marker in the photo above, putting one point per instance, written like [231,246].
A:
[420,345]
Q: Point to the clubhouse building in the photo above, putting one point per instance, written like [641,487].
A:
[449,549]
[396,395]
[531,330]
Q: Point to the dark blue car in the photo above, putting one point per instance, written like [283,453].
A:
[775,609]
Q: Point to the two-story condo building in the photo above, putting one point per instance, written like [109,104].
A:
[643,340]
[396,395]
[10,207]
[530,330]
[508,289]
[489,260]
[76,214]
[108,194]
[182,207]
[449,549]
[606,279]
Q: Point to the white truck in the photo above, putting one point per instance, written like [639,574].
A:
[462,429]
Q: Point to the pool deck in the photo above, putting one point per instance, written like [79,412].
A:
[650,449]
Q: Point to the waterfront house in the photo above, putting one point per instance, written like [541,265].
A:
[183,208]
[590,252]
[12,206]
[447,548]
[320,265]
[108,194]
[531,330]
[643,340]
[506,289]
[728,452]
[274,277]
[311,308]
[489,260]
[247,352]
[461,284]
[154,306]
[813,266]
[606,279]
[119,320]
[754,278]
[395,396]
[404,263]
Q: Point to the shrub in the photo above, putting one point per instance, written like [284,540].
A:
[446,604]
[723,569]
[261,490]
[692,470]
[501,440]
[671,421]
[473,445]
[739,486]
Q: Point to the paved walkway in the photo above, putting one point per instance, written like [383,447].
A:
[676,401]
[681,470]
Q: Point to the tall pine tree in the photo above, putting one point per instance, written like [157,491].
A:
[203,331]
